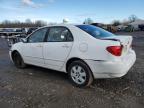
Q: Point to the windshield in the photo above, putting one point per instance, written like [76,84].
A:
[95,31]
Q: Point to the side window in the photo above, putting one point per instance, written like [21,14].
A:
[37,36]
[59,34]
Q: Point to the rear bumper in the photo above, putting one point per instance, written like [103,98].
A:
[112,69]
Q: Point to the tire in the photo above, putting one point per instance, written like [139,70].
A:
[18,61]
[80,74]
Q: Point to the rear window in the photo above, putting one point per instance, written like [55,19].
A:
[95,31]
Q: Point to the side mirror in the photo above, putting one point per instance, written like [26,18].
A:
[24,40]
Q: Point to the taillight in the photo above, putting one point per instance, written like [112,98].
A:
[115,50]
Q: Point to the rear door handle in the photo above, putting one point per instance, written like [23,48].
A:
[65,46]
[39,45]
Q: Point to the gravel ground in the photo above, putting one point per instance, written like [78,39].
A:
[36,87]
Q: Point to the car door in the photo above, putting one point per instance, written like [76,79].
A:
[33,48]
[57,48]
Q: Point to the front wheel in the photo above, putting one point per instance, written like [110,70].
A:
[18,61]
[80,74]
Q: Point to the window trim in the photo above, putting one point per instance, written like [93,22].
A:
[37,31]
[47,35]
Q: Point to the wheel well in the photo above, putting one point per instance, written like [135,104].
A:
[72,60]
[76,59]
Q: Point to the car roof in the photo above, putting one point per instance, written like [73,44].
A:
[65,25]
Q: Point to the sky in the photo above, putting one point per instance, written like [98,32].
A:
[76,11]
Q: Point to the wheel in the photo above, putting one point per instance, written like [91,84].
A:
[18,61]
[80,74]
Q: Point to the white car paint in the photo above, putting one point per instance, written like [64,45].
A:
[56,53]
[93,51]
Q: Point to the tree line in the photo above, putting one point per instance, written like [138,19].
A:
[40,23]
[130,19]
[25,24]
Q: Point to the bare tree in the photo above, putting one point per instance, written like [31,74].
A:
[132,18]
[18,24]
[28,21]
[116,23]
[6,22]
[88,21]
[40,23]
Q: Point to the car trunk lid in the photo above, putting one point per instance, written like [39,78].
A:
[125,41]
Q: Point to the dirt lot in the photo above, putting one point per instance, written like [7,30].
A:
[36,87]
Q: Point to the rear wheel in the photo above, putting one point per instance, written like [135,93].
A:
[80,74]
[18,61]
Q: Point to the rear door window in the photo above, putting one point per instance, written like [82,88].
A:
[59,34]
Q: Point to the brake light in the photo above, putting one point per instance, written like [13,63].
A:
[115,50]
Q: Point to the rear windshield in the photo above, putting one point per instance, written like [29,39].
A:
[95,31]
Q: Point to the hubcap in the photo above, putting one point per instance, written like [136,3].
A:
[78,74]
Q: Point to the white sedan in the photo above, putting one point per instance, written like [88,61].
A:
[85,52]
